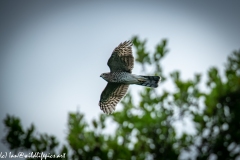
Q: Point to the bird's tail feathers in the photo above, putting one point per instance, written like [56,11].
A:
[149,81]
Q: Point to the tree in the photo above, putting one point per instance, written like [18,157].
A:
[145,128]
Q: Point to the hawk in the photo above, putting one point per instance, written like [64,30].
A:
[120,77]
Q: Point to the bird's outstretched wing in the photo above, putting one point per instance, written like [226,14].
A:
[111,95]
[122,58]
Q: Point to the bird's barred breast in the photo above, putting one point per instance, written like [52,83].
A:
[123,77]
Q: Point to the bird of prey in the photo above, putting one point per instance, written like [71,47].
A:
[119,78]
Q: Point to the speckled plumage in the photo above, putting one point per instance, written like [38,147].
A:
[121,64]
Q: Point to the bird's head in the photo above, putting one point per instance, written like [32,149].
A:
[105,76]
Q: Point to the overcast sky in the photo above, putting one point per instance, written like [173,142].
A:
[52,52]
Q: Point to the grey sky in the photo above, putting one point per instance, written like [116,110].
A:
[52,52]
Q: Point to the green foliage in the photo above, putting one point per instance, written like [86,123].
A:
[27,140]
[219,127]
[145,129]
